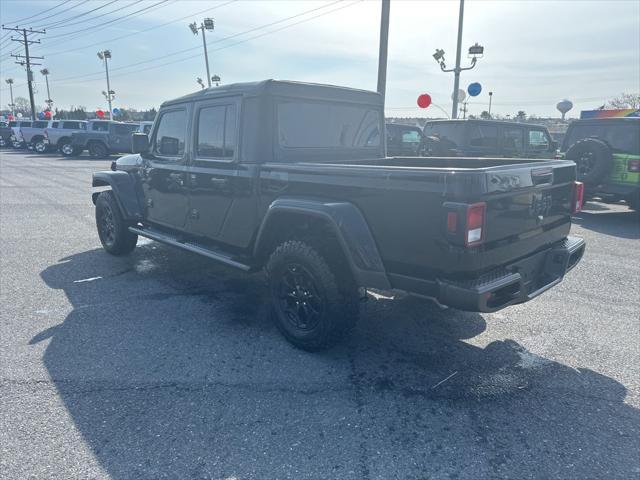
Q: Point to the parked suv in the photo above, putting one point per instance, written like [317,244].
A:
[292,177]
[487,138]
[58,136]
[607,155]
[103,138]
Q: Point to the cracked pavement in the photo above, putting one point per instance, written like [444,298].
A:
[166,365]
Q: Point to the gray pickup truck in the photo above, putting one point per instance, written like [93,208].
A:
[58,136]
[33,135]
[103,138]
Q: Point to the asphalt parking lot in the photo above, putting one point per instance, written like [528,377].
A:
[165,365]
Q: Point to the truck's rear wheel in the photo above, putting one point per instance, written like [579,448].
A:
[312,306]
[112,229]
[98,150]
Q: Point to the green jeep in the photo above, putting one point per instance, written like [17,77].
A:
[607,156]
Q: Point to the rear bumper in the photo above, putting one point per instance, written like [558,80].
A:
[515,283]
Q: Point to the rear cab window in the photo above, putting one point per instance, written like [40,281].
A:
[325,126]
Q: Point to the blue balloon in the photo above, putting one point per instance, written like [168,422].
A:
[41,115]
[474,89]
[116,111]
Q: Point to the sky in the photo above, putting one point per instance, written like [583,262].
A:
[537,52]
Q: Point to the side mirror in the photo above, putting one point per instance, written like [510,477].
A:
[139,143]
[554,146]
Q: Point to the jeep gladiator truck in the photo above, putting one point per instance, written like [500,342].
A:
[33,135]
[59,136]
[291,178]
[103,138]
[5,135]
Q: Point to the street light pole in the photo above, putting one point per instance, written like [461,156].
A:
[382,54]
[48,101]
[106,55]
[206,56]
[207,24]
[13,105]
[490,96]
[456,82]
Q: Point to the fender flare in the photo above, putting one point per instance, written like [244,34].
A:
[123,187]
[350,228]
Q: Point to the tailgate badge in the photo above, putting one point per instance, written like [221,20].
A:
[540,206]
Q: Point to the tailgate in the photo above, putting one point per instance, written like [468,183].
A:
[527,201]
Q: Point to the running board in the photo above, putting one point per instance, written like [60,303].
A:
[163,238]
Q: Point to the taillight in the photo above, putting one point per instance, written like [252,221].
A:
[633,166]
[474,231]
[578,197]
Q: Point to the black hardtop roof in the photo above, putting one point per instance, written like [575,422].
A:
[281,87]
[482,120]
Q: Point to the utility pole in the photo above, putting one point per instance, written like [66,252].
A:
[207,24]
[12,105]
[456,82]
[384,43]
[27,59]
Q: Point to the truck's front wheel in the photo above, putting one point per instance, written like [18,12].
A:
[112,229]
[98,150]
[313,305]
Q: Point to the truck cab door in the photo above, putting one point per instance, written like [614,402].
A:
[213,173]
[164,170]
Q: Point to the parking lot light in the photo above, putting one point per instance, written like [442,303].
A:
[109,94]
[207,24]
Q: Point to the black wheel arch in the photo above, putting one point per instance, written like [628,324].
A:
[125,191]
[344,224]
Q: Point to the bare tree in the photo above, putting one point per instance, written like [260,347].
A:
[625,100]
[485,115]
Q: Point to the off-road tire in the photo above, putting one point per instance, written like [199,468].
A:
[112,229]
[98,150]
[594,160]
[336,297]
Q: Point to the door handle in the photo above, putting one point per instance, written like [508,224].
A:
[219,182]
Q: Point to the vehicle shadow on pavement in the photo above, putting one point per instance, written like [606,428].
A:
[623,224]
[170,368]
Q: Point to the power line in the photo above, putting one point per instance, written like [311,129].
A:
[14,22]
[111,40]
[63,23]
[93,27]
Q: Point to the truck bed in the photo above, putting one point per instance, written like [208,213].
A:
[528,206]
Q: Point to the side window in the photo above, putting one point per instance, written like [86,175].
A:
[55,124]
[538,140]
[25,124]
[410,136]
[146,129]
[100,127]
[120,129]
[484,136]
[71,125]
[513,139]
[216,132]
[171,133]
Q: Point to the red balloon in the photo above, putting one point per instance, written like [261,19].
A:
[424,100]
[10,117]
[99,113]
[47,114]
